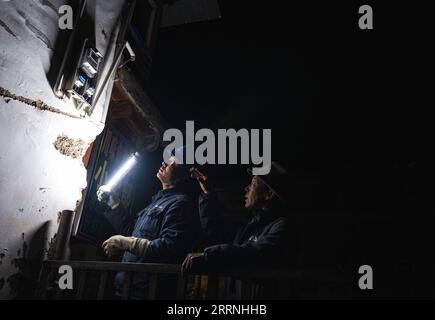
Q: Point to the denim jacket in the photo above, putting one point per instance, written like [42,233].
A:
[170,224]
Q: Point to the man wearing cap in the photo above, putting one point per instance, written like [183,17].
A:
[163,232]
[264,240]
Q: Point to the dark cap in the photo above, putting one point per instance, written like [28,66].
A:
[276,180]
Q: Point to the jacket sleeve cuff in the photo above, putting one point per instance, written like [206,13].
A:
[210,253]
[138,246]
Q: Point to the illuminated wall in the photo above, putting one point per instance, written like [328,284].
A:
[42,139]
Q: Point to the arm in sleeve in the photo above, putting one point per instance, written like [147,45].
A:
[270,249]
[178,232]
[121,221]
[213,224]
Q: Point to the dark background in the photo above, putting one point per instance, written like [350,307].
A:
[351,118]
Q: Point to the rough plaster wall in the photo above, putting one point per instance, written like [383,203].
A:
[36,180]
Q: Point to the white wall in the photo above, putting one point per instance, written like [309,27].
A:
[36,180]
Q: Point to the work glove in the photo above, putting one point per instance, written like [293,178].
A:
[117,244]
[107,196]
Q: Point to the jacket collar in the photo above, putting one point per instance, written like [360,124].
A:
[264,215]
[165,192]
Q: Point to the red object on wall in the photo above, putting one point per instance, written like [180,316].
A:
[87,155]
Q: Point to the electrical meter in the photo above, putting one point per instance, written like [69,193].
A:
[86,75]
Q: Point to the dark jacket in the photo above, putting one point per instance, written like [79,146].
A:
[263,240]
[171,226]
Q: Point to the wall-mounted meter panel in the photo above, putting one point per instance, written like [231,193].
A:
[83,73]
[83,85]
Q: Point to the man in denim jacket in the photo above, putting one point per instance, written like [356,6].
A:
[163,232]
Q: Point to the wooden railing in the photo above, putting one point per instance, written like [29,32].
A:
[100,276]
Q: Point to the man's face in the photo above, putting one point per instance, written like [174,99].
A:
[256,194]
[168,171]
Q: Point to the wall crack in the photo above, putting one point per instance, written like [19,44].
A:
[38,104]
[8,30]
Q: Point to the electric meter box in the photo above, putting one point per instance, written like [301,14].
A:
[83,85]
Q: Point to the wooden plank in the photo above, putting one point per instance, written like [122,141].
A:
[58,294]
[212,287]
[102,285]
[81,285]
[261,273]
[181,288]
[119,266]
[128,278]
[197,287]
[152,286]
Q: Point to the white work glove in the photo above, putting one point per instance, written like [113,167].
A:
[117,244]
[105,195]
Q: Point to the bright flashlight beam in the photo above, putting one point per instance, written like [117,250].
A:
[122,171]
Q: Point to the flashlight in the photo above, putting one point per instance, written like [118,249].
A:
[126,167]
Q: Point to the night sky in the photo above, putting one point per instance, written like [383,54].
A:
[347,107]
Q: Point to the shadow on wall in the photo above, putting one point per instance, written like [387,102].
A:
[61,43]
[23,283]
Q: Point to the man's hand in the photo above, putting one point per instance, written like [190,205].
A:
[192,260]
[202,179]
[117,244]
[105,195]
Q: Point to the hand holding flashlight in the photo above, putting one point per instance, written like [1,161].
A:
[105,195]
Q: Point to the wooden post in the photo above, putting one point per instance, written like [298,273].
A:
[63,235]
[81,285]
[128,279]
[102,285]
[246,293]
[181,288]
[152,286]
